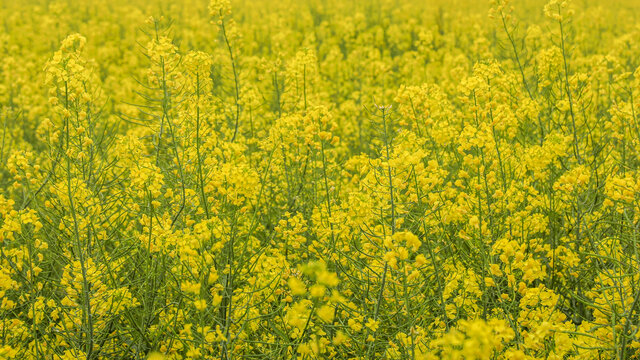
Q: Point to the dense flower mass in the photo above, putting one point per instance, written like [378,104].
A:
[319,179]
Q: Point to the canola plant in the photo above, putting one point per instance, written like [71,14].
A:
[319,179]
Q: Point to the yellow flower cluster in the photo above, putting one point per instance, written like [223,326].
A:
[319,179]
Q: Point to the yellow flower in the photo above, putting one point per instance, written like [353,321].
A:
[355,325]
[317,290]
[155,356]
[200,304]
[325,313]
[297,286]
[372,324]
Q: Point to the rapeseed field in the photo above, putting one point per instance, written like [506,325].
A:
[319,179]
